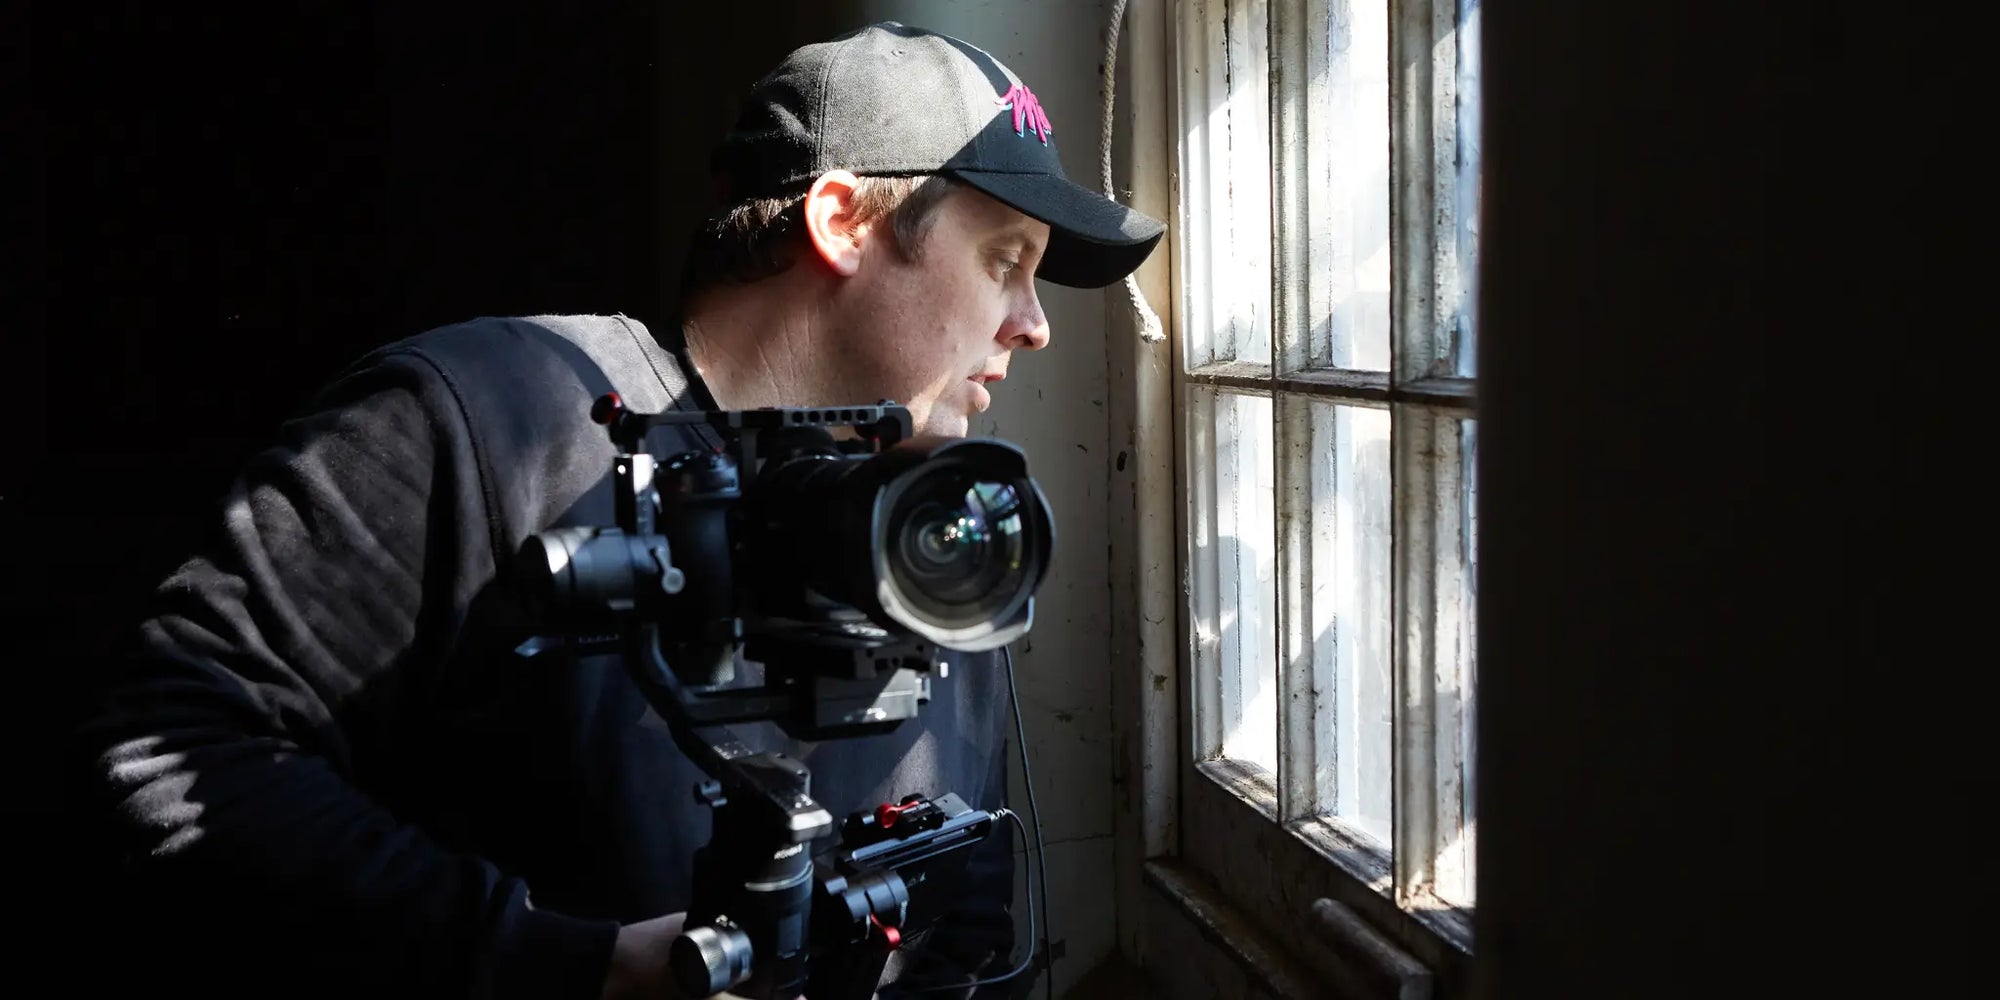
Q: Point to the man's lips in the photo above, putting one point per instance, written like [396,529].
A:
[981,399]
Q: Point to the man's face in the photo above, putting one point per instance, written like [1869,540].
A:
[933,332]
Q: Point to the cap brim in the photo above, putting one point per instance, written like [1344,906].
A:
[1093,241]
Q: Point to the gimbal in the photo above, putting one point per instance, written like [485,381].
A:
[843,566]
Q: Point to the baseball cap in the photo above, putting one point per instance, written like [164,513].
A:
[889,99]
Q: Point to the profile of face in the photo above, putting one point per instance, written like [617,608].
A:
[933,329]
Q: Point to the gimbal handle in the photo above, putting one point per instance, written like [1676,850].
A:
[768,919]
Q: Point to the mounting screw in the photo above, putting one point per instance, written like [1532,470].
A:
[709,793]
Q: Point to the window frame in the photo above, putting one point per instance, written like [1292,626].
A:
[1278,856]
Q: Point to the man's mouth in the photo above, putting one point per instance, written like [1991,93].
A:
[981,399]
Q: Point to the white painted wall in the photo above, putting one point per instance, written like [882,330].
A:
[1053,404]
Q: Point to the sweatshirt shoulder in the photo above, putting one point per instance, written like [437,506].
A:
[523,358]
[523,386]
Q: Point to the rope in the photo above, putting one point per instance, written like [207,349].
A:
[1150,330]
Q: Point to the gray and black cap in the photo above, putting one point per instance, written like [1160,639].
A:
[889,99]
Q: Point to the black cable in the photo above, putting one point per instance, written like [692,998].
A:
[1035,815]
[1041,864]
[1026,960]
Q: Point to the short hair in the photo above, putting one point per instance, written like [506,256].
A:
[757,237]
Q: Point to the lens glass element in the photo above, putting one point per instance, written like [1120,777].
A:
[957,555]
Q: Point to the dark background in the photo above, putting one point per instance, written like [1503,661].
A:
[1730,573]
[239,198]
[223,203]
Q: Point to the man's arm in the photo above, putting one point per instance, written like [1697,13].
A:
[223,757]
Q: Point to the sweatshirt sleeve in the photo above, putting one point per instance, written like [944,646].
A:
[277,664]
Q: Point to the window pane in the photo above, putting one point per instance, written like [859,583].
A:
[1465,337]
[1351,592]
[1355,215]
[1227,165]
[1458,551]
[1249,251]
[1246,578]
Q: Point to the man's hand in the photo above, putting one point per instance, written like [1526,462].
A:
[639,962]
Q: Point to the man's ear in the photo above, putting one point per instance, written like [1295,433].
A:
[830,221]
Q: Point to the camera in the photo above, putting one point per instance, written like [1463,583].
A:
[841,553]
[828,544]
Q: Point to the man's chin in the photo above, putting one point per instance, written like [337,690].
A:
[946,426]
[942,421]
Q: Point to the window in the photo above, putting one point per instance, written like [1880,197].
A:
[1327,206]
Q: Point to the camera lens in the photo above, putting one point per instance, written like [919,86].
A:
[945,539]
[959,555]
[940,544]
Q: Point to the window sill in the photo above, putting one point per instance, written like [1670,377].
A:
[1250,953]
[1278,877]
[1206,947]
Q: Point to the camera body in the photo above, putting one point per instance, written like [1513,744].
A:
[828,544]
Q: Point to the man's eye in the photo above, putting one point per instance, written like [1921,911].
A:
[1008,264]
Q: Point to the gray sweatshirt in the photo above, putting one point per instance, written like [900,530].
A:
[327,765]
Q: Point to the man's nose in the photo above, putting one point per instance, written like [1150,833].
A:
[1027,328]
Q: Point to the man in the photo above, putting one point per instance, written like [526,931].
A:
[332,770]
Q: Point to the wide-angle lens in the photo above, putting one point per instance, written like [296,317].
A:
[960,554]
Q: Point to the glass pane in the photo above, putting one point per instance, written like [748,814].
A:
[1465,335]
[1246,578]
[1354,217]
[1226,227]
[1457,678]
[1203,597]
[1351,592]
[1243,271]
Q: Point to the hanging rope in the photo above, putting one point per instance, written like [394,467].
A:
[1150,329]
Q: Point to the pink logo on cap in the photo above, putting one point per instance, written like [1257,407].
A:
[1027,111]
